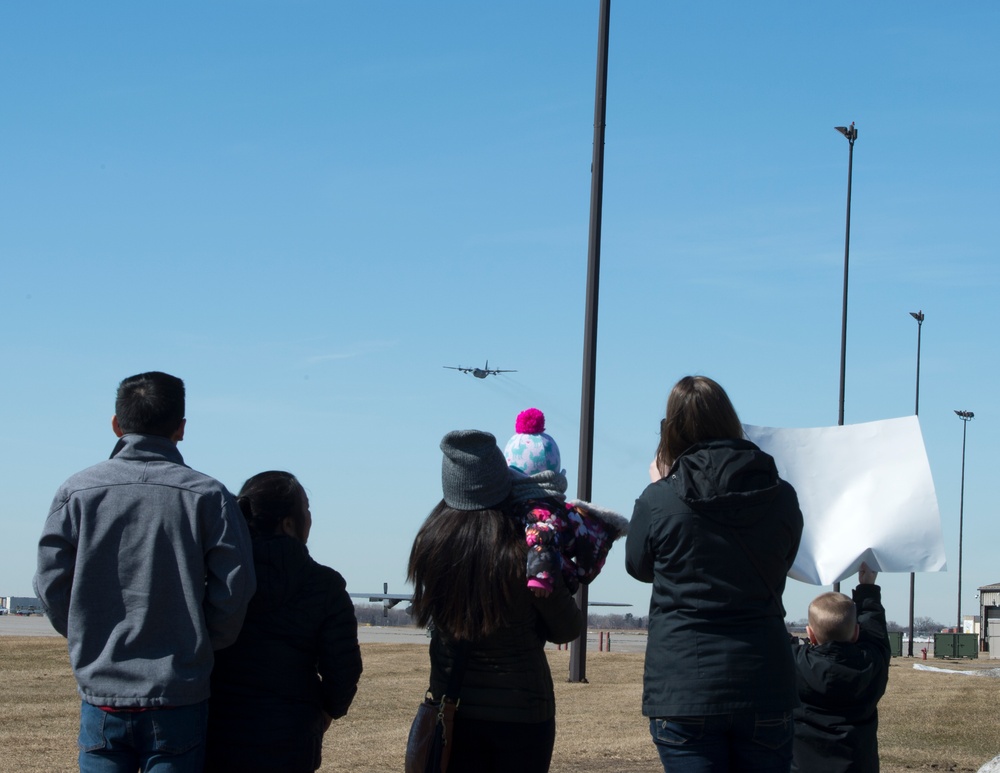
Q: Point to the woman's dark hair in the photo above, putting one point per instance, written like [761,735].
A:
[467,567]
[150,404]
[268,498]
[698,409]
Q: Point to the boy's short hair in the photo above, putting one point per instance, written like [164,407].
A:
[150,404]
[833,617]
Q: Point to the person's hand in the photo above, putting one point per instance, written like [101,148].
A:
[866,575]
[327,721]
[541,593]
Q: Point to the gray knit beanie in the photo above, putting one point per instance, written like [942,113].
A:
[474,473]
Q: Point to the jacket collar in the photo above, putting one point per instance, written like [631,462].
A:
[136,447]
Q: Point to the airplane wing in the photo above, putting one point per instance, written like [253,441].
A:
[389,600]
[452,367]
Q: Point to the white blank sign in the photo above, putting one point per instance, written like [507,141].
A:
[866,494]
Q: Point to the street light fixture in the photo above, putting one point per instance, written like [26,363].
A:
[919,317]
[966,417]
[851,134]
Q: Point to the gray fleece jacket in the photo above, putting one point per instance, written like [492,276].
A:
[146,567]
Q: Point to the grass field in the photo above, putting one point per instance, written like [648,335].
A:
[929,721]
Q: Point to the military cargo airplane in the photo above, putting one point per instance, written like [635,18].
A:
[389,600]
[480,372]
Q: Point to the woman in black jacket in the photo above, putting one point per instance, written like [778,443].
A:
[715,533]
[467,566]
[296,664]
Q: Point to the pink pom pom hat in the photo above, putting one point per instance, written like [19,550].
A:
[530,450]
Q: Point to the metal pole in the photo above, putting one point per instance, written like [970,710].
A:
[919,317]
[965,416]
[851,134]
[578,650]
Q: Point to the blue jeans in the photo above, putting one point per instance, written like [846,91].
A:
[744,741]
[167,740]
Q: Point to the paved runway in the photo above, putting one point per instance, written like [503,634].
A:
[32,625]
[621,641]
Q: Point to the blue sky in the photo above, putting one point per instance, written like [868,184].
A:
[306,209]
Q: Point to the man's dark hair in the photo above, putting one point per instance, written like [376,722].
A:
[150,404]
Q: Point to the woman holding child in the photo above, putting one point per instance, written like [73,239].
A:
[467,566]
[715,533]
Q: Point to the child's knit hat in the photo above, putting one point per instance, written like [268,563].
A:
[531,451]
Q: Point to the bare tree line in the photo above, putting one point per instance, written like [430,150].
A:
[376,614]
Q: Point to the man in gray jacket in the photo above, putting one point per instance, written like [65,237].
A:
[146,567]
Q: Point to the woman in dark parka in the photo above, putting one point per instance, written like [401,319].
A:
[716,535]
[296,664]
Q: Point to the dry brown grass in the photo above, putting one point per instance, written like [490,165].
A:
[929,721]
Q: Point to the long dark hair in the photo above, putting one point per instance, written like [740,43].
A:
[698,409]
[467,567]
[268,498]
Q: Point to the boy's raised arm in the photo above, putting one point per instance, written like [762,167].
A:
[871,613]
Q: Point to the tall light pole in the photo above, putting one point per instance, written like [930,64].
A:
[966,417]
[919,317]
[578,649]
[851,134]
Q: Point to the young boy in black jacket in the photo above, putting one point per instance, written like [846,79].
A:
[841,675]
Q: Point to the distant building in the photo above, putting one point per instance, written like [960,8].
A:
[989,615]
[20,605]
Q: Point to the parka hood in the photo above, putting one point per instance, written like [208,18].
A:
[731,481]
[838,673]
